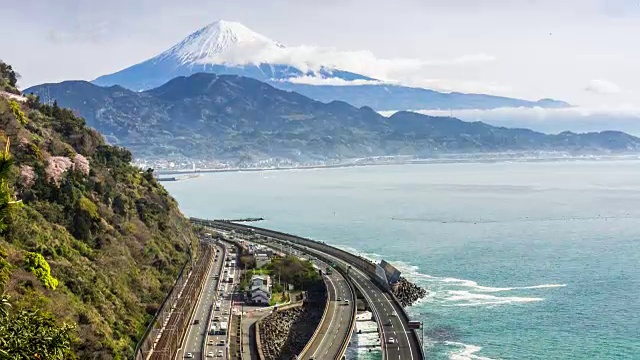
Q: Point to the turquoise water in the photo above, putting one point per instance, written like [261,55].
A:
[522,260]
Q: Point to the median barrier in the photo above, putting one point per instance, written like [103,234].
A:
[258,341]
[345,344]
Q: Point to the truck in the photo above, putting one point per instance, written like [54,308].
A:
[223,328]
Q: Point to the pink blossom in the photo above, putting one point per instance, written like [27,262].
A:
[27,175]
[81,164]
[56,167]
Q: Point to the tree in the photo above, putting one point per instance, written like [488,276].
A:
[29,334]
[6,199]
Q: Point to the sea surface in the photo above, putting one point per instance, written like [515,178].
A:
[521,260]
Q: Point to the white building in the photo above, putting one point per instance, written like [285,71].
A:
[260,289]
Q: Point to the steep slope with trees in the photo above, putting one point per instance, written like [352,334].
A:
[89,245]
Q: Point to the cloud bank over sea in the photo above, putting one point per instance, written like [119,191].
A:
[576,119]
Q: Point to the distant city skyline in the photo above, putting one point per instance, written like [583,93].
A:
[577,51]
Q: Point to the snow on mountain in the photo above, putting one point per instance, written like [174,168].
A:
[222,42]
[226,47]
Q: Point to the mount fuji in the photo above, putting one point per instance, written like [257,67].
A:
[225,47]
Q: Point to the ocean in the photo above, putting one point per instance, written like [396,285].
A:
[522,260]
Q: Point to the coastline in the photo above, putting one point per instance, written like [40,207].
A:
[401,160]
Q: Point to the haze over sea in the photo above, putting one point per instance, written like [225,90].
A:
[521,260]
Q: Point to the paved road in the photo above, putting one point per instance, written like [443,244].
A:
[383,307]
[337,323]
[197,332]
[385,311]
[216,345]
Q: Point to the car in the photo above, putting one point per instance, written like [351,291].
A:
[392,314]
[188,356]
[221,343]
[391,341]
[339,299]
[389,323]
[346,301]
[219,353]
[210,354]
[196,322]
[216,318]
[211,342]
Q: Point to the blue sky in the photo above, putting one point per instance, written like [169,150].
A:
[581,51]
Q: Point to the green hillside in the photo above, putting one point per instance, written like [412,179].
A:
[89,245]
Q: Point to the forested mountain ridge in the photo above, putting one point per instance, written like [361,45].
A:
[89,245]
[208,116]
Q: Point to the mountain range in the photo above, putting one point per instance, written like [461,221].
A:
[225,47]
[211,116]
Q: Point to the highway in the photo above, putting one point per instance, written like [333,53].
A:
[385,310]
[336,325]
[196,334]
[217,344]
[337,322]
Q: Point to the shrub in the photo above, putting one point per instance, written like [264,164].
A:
[36,264]
[17,112]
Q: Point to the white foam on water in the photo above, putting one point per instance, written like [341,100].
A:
[465,351]
[467,298]
[449,291]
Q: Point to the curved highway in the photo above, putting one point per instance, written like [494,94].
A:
[335,328]
[398,342]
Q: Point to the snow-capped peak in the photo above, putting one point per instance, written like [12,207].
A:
[222,42]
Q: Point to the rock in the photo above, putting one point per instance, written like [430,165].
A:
[285,333]
[408,293]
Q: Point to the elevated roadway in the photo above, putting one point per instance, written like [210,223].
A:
[398,342]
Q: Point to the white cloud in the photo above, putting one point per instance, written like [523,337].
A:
[316,80]
[465,86]
[601,86]
[579,119]
[474,58]
[312,58]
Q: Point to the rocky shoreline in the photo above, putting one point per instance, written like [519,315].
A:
[407,292]
[285,333]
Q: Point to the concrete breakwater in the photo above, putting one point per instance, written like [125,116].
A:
[284,333]
[407,292]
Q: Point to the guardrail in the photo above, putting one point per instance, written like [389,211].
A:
[346,341]
[357,261]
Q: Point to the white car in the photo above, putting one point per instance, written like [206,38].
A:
[188,356]
[219,353]
[391,341]
[210,354]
